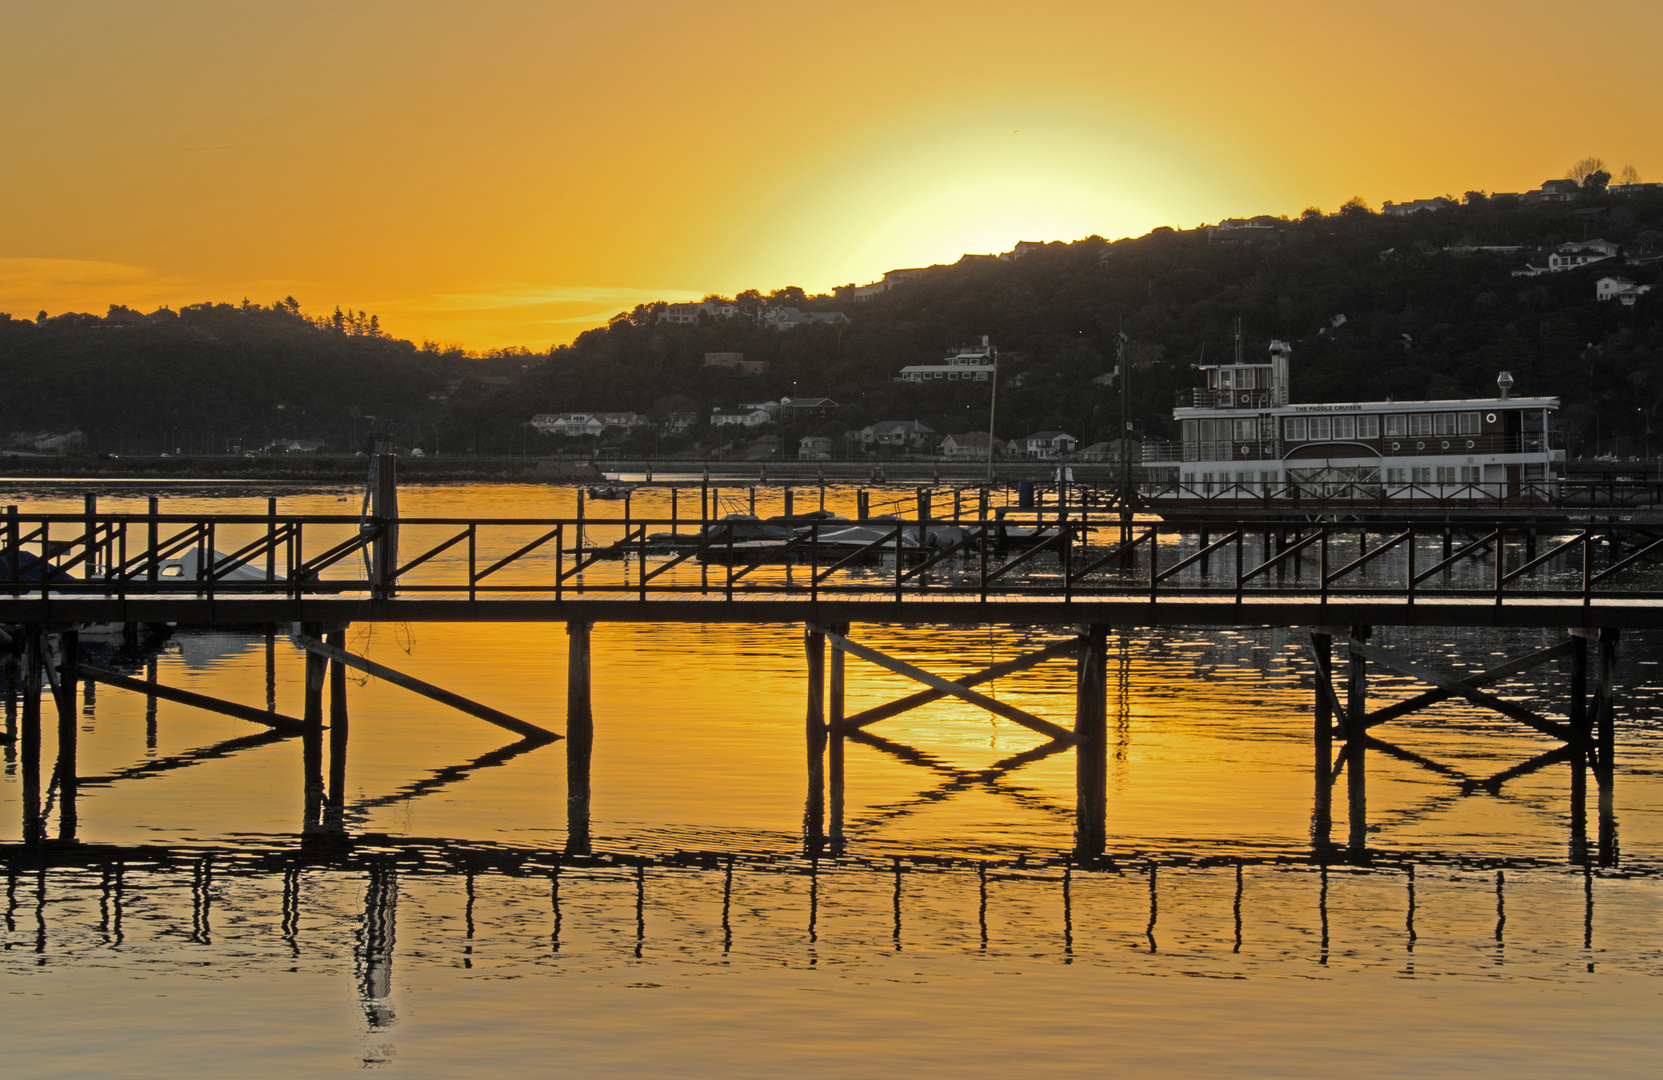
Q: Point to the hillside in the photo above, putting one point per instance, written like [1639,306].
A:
[1419,320]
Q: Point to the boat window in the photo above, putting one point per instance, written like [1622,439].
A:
[1247,430]
[1368,427]
[1397,424]
[1320,429]
[1294,429]
[1469,423]
[1420,424]
[1345,427]
[1443,423]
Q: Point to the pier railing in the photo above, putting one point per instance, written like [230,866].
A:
[1056,554]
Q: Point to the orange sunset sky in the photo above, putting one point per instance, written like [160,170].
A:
[510,173]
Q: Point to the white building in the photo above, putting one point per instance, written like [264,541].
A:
[742,416]
[969,446]
[1619,288]
[1049,444]
[1580,253]
[585,423]
[967,363]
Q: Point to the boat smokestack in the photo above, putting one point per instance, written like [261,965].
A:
[1505,381]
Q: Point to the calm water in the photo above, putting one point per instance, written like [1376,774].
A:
[189,932]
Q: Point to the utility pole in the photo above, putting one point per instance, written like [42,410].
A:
[992,407]
[1125,372]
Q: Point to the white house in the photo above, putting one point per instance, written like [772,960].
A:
[1619,288]
[585,423]
[969,446]
[814,448]
[967,363]
[1049,444]
[1580,253]
[896,435]
[742,416]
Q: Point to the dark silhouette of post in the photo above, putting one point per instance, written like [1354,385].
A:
[312,734]
[1586,754]
[814,728]
[835,741]
[338,732]
[1322,742]
[69,646]
[29,738]
[1356,735]
[580,737]
[1091,751]
[1605,771]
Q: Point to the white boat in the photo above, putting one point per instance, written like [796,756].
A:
[1242,439]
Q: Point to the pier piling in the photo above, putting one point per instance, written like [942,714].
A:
[814,724]
[580,737]
[1092,743]
[69,648]
[1356,739]
[1322,741]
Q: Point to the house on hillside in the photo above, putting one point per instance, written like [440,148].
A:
[1243,230]
[1049,444]
[1619,288]
[585,423]
[896,435]
[1580,253]
[890,279]
[1110,450]
[691,313]
[741,416]
[736,361]
[789,318]
[1553,191]
[1414,206]
[969,446]
[967,363]
[814,448]
[787,408]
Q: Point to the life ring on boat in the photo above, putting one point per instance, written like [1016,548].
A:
[1490,418]
[1397,446]
[1420,446]
[1469,444]
[1444,445]
[1244,398]
[1245,452]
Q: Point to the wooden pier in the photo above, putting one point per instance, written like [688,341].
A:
[1062,567]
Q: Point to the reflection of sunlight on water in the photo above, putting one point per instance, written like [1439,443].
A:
[455,929]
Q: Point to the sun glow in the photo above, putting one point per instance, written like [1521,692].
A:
[929,188]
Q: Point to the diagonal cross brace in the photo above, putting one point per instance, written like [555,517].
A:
[428,690]
[1432,697]
[958,690]
[997,671]
[1455,688]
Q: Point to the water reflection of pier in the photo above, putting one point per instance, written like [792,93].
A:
[338,903]
[51,812]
